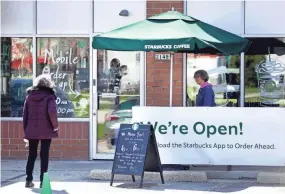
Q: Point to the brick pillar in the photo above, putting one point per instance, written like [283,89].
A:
[158,72]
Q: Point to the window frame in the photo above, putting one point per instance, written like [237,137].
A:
[34,38]
[241,102]
[75,119]
[33,77]
[244,54]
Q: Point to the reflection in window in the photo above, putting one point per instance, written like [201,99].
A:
[16,74]
[118,72]
[264,73]
[118,89]
[223,75]
[67,60]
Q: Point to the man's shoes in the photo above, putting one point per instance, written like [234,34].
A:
[29,184]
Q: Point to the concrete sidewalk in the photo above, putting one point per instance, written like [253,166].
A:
[73,177]
[260,174]
[100,187]
[14,170]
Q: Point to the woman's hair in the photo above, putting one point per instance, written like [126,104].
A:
[203,74]
[44,81]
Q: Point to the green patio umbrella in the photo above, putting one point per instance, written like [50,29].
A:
[171,31]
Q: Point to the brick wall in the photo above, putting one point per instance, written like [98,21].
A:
[71,144]
[158,72]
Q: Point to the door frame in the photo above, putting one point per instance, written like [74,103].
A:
[94,99]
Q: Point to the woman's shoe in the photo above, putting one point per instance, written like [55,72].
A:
[29,184]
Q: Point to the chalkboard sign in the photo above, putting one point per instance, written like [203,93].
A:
[82,77]
[136,152]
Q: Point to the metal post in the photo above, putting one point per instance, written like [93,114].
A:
[93,88]
[112,180]
[141,183]
[142,78]
[34,41]
[184,79]
[242,82]
[171,78]
[184,65]
[133,177]
[269,57]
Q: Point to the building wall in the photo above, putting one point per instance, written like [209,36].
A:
[239,17]
[17,15]
[223,14]
[71,144]
[158,72]
[262,17]
[67,19]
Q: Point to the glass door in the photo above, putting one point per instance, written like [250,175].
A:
[118,86]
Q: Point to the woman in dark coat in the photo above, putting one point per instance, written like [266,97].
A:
[40,124]
[206,95]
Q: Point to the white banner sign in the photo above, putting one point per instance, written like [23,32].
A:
[218,135]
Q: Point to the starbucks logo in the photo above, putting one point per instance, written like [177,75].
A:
[135,126]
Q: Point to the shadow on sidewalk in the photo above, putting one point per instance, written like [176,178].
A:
[223,187]
[38,190]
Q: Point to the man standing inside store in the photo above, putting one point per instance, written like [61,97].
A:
[117,71]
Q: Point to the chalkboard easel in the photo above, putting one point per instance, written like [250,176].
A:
[136,152]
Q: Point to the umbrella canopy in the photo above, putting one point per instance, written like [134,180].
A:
[171,31]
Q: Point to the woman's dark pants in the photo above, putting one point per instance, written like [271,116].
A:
[44,154]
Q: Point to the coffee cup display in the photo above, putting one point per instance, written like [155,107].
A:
[270,76]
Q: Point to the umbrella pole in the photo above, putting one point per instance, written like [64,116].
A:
[171,78]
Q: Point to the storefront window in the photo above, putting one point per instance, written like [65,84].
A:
[223,75]
[264,73]
[118,89]
[16,74]
[67,60]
